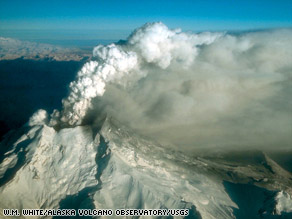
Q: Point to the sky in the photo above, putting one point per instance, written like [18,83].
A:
[112,19]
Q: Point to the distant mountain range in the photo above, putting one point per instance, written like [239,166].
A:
[13,49]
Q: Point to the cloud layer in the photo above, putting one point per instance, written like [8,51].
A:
[190,90]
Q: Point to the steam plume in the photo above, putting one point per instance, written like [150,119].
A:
[203,89]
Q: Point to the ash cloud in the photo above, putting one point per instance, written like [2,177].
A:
[190,90]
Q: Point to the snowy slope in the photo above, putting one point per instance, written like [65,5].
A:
[115,168]
[44,167]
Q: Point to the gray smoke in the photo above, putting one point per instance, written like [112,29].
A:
[190,90]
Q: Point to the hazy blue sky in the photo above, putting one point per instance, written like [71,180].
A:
[115,19]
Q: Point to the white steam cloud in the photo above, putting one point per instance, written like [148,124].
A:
[191,90]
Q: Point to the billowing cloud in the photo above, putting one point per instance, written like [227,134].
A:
[189,90]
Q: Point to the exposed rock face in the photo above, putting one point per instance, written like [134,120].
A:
[114,168]
[43,167]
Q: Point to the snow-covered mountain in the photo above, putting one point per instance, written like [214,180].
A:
[112,167]
[163,120]
[14,49]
